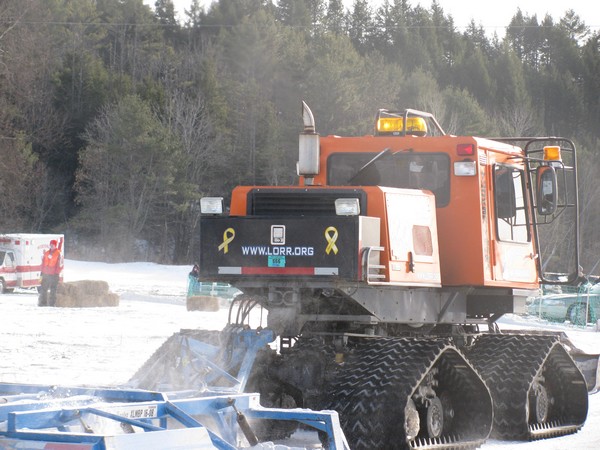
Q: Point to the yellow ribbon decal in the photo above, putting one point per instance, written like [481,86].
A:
[228,236]
[331,238]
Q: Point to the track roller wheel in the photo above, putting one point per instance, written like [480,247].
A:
[435,418]
[435,414]
[439,415]
[540,402]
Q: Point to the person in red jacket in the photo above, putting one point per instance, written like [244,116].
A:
[52,265]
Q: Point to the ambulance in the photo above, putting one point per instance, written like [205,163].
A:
[21,259]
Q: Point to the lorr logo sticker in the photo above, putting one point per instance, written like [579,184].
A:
[277,234]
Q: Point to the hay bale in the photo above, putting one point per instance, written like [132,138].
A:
[85,294]
[202,303]
[87,287]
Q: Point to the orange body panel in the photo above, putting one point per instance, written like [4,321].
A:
[470,254]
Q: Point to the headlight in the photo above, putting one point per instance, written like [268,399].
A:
[347,207]
[211,205]
[465,168]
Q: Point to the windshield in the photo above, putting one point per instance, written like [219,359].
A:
[430,171]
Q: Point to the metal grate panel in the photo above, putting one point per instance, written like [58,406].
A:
[300,202]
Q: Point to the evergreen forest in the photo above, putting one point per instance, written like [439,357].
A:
[117,116]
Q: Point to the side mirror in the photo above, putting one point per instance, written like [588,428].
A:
[546,194]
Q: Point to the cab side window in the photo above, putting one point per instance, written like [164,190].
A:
[510,205]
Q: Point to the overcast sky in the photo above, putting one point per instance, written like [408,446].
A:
[497,14]
[493,16]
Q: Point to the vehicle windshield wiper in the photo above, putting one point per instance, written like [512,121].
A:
[377,157]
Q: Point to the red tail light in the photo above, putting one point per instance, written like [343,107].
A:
[465,149]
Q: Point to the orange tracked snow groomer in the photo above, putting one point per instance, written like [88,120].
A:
[384,273]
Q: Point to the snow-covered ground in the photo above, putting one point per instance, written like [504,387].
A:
[105,346]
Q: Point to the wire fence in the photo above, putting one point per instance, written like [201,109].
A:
[579,306]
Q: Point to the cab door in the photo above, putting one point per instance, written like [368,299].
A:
[514,256]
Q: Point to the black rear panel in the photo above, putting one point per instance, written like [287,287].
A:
[294,247]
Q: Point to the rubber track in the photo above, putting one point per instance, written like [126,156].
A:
[509,363]
[371,390]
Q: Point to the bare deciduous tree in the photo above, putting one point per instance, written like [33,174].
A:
[188,119]
[518,120]
[125,171]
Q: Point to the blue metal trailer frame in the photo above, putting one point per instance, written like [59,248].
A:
[81,418]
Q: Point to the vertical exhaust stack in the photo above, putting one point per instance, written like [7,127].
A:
[308,152]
